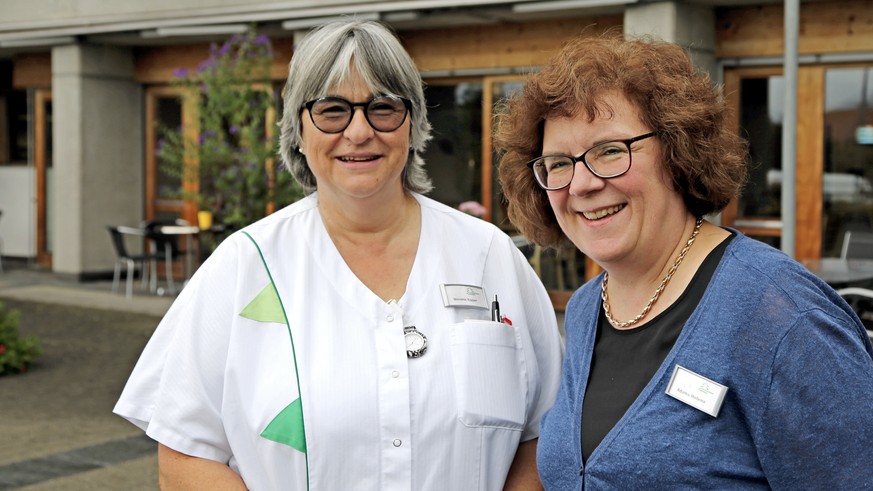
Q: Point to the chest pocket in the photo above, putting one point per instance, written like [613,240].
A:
[490,375]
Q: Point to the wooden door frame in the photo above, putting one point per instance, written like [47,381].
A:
[190,124]
[810,158]
[810,152]
[188,209]
[488,165]
[41,96]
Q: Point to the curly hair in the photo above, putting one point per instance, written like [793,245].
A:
[705,158]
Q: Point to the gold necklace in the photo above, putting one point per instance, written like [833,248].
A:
[621,325]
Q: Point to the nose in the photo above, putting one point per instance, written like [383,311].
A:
[359,129]
[584,181]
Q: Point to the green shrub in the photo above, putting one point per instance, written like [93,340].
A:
[16,352]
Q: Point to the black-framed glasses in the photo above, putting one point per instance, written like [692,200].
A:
[605,160]
[334,114]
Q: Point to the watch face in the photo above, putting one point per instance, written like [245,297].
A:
[416,342]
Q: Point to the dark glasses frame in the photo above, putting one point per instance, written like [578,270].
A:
[581,158]
[352,105]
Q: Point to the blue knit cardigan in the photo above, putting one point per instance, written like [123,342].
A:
[798,413]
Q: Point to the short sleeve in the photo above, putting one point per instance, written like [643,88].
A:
[542,343]
[175,390]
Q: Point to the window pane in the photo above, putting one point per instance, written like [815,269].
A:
[502,90]
[168,114]
[49,190]
[761,115]
[13,127]
[454,156]
[847,195]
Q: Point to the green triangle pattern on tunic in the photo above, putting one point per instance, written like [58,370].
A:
[265,307]
[287,427]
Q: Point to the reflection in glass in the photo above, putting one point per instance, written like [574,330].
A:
[501,90]
[761,116]
[453,157]
[168,114]
[49,177]
[16,119]
[847,194]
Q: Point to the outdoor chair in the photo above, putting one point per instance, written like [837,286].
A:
[861,301]
[857,245]
[146,261]
[166,246]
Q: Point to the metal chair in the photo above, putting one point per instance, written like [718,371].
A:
[166,246]
[146,261]
[857,245]
[861,301]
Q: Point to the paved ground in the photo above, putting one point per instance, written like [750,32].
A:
[58,430]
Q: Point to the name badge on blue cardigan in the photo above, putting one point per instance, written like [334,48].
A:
[696,390]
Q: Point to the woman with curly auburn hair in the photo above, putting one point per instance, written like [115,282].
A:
[699,358]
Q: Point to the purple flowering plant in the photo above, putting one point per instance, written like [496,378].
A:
[230,151]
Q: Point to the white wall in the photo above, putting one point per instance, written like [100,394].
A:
[98,128]
[18,203]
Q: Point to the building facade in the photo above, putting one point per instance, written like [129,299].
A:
[83,85]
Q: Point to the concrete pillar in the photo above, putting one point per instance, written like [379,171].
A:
[98,154]
[692,26]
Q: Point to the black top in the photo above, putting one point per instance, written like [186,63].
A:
[625,360]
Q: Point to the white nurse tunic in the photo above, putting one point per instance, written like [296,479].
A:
[278,361]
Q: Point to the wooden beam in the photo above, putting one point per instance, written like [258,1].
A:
[32,70]
[810,162]
[498,46]
[825,27]
[157,65]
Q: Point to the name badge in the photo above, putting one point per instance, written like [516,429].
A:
[455,295]
[696,390]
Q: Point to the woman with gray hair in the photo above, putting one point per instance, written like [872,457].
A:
[354,339]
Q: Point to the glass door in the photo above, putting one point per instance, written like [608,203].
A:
[847,192]
[757,96]
[759,109]
[165,107]
[453,156]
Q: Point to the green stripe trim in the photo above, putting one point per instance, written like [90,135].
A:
[293,350]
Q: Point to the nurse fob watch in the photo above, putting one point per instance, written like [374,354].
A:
[416,342]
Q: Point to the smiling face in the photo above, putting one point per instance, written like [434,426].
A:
[618,219]
[358,162]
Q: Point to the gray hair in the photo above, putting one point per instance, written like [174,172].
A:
[321,62]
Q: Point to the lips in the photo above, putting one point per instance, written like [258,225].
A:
[603,212]
[350,158]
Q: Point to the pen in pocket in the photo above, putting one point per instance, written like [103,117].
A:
[495,310]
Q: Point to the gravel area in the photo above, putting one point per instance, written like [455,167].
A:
[64,402]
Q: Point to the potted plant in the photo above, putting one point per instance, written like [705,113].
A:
[226,160]
[16,352]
